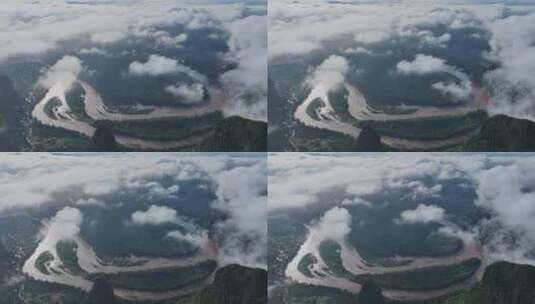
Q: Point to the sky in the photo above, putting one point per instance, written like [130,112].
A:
[32,180]
[299,28]
[33,28]
[503,185]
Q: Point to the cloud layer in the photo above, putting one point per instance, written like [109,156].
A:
[238,182]
[33,30]
[304,29]
[503,184]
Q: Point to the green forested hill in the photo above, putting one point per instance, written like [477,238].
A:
[503,133]
[233,284]
[237,134]
[503,283]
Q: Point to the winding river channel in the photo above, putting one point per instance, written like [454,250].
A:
[63,117]
[355,264]
[360,110]
[91,264]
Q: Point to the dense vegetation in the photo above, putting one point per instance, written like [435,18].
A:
[75,100]
[11,111]
[101,293]
[426,278]
[167,128]
[431,128]
[371,293]
[310,294]
[103,139]
[236,134]
[67,253]
[503,133]
[233,284]
[330,253]
[34,292]
[305,263]
[503,283]
[46,138]
[285,238]
[42,260]
[320,140]
[368,140]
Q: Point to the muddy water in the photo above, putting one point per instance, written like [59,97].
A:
[89,262]
[360,110]
[96,109]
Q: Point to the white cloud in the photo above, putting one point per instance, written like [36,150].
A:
[509,191]
[356,201]
[460,91]
[159,65]
[238,181]
[67,69]
[419,191]
[33,179]
[156,190]
[246,86]
[423,214]
[358,50]
[188,94]
[89,201]
[335,224]
[94,51]
[297,180]
[154,66]
[302,27]
[330,73]
[512,84]
[198,238]
[35,27]
[155,215]
[65,224]
[241,194]
[107,37]
[425,64]
[372,36]
[422,65]
[504,184]
[440,41]
[172,41]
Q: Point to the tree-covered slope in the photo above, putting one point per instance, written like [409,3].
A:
[371,294]
[503,133]
[102,292]
[237,134]
[503,283]
[233,284]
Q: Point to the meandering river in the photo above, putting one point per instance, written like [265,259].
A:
[359,109]
[90,263]
[355,264]
[62,116]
